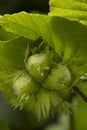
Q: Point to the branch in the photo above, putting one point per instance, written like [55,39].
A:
[75,88]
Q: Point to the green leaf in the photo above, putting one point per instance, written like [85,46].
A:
[31,26]
[70,41]
[79,114]
[12,56]
[5,36]
[72,9]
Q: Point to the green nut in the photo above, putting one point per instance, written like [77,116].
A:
[58,78]
[23,84]
[38,66]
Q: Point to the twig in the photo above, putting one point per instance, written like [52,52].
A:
[75,88]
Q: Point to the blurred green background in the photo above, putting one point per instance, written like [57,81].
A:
[11,119]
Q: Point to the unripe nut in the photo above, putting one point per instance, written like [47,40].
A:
[23,84]
[59,78]
[38,66]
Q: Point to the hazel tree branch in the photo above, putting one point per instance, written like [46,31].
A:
[82,95]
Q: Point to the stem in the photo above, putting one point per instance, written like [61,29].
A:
[80,93]
[72,121]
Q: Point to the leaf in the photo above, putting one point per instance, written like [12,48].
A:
[31,26]
[72,9]
[70,42]
[79,114]
[12,56]
[5,36]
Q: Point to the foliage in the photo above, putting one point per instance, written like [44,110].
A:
[49,50]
